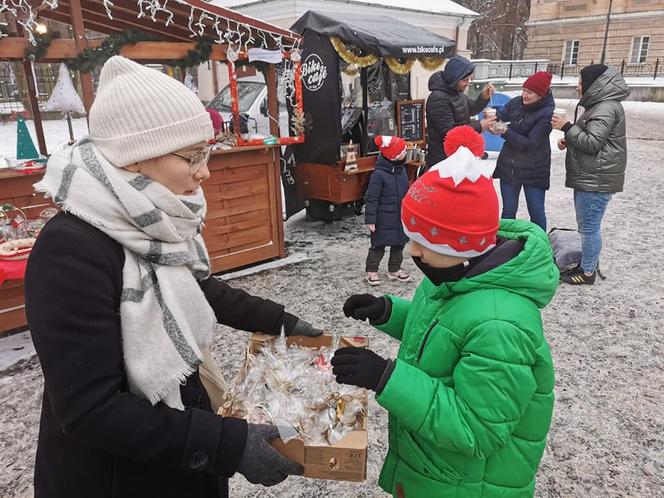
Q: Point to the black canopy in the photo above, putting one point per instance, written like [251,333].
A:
[381,35]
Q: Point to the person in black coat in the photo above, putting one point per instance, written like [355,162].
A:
[525,159]
[122,309]
[387,186]
[448,106]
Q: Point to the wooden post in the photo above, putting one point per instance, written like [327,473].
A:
[34,102]
[81,43]
[272,102]
[34,106]
[215,77]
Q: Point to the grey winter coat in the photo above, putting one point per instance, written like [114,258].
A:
[596,143]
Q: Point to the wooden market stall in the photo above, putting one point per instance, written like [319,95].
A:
[371,56]
[244,223]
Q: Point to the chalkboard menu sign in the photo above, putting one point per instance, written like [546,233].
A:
[410,120]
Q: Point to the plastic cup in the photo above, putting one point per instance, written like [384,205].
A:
[559,113]
[489,112]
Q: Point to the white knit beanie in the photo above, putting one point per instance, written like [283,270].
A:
[140,113]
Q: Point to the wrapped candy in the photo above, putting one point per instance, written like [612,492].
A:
[293,388]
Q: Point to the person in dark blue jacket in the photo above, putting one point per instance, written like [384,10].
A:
[387,186]
[525,159]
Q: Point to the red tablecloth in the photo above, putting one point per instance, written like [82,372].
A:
[12,270]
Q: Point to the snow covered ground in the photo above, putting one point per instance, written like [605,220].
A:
[607,437]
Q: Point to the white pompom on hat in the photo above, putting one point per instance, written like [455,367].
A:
[390,147]
[140,113]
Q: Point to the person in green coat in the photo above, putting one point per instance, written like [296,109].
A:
[470,394]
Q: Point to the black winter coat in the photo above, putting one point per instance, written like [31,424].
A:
[96,439]
[525,158]
[446,108]
[387,187]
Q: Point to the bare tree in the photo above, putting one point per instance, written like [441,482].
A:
[500,31]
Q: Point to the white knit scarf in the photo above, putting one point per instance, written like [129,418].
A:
[167,324]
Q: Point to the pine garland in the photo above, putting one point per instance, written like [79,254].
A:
[91,58]
[196,56]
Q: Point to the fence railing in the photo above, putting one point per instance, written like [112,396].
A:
[652,69]
[14,90]
[488,69]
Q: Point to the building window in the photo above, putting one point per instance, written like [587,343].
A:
[571,55]
[639,49]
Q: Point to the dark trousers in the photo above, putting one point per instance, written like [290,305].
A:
[534,199]
[376,254]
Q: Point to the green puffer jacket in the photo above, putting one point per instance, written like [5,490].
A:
[597,143]
[470,399]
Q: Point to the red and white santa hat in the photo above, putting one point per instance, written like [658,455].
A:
[453,208]
[390,147]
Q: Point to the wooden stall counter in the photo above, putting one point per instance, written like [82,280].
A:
[244,223]
[16,189]
[331,183]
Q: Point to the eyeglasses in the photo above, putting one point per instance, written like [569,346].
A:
[196,160]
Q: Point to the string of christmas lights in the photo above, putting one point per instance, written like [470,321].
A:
[200,23]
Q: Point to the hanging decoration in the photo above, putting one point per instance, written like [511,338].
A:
[235,108]
[239,38]
[346,54]
[351,70]
[399,67]
[200,23]
[38,49]
[431,63]
[24,14]
[65,99]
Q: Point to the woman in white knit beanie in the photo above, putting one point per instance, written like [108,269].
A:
[122,308]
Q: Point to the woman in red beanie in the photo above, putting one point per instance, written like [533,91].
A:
[525,160]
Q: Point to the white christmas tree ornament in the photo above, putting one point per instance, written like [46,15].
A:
[65,99]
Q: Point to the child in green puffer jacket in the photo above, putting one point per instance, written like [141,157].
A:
[470,395]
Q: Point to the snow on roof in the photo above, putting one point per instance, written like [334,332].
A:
[428,6]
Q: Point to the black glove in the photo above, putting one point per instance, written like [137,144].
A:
[361,367]
[261,463]
[296,326]
[363,306]
[305,328]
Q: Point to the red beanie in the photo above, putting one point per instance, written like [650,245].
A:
[217,120]
[453,208]
[390,147]
[539,83]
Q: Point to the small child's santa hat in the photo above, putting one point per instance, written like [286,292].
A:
[390,147]
[453,208]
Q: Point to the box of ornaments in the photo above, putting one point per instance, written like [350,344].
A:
[288,382]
